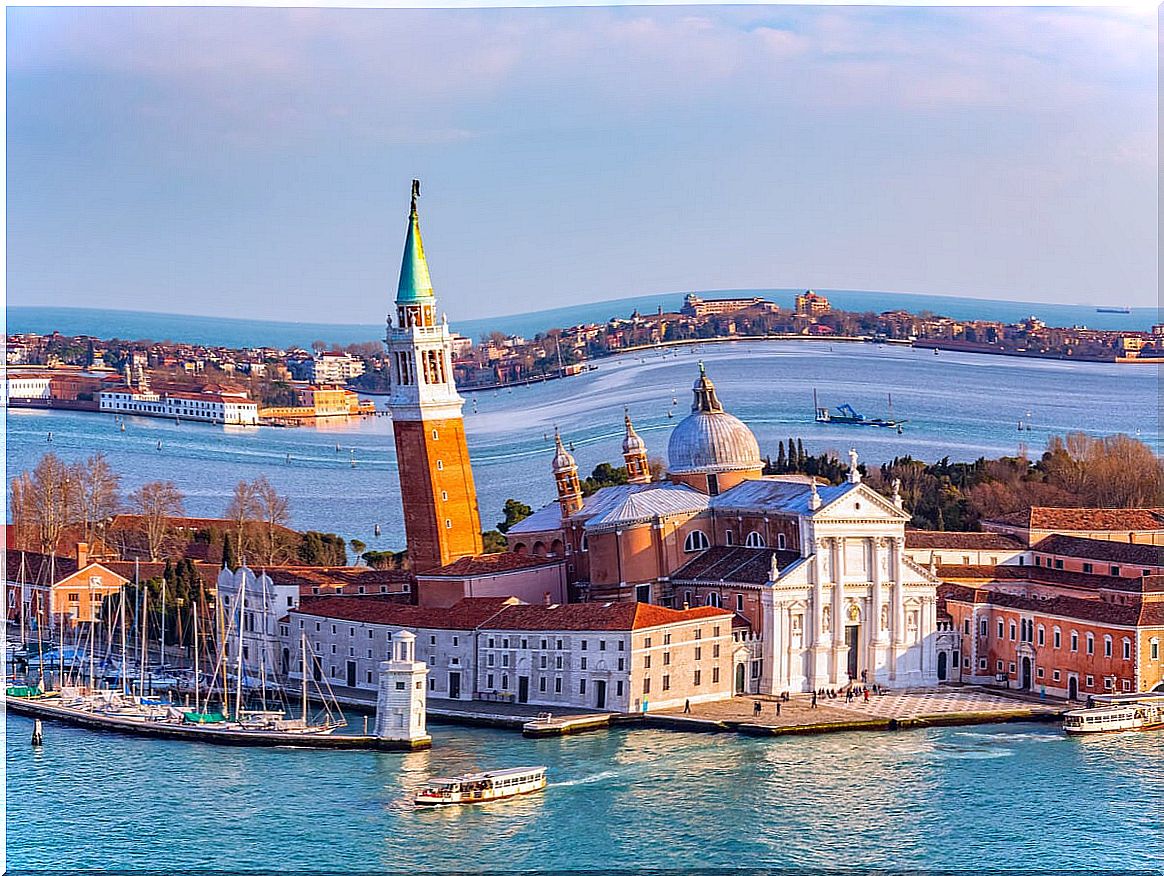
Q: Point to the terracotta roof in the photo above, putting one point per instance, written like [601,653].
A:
[332,577]
[1084,519]
[1102,549]
[976,541]
[743,565]
[489,564]
[208,572]
[598,616]
[467,614]
[38,568]
[1057,577]
[1137,612]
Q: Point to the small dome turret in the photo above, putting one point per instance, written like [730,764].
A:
[710,440]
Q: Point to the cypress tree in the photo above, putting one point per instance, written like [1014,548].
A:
[228,558]
[800,457]
[793,462]
[781,460]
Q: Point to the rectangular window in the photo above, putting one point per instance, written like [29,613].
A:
[647,642]
[488,659]
[618,688]
[698,677]
[715,650]
[542,684]
[715,675]
[982,663]
[666,682]
[621,643]
[1055,676]
[966,627]
[1091,681]
[1057,639]
[698,633]
[558,662]
[1042,636]
[698,653]
[602,644]
[1090,644]
[647,685]
[666,658]
[543,644]
[646,661]
[582,685]
[489,680]
[982,628]
[740,603]
[557,685]
[583,662]
[1127,650]
[1000,630]
[583,644]
[1115,570]
[1074,641]
[544,661]
[558,644]
[1087,567]
[1012,631]
[1039,672]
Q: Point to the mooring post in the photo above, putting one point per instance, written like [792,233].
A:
[37,732]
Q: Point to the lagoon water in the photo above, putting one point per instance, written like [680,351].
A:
[977,798]
[959,405]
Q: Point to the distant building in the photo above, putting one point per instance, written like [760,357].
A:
[1135,525]
[930,548]
[26,386]
[695,306]
[334,367]
[811,304]
[209,407]
[321,401]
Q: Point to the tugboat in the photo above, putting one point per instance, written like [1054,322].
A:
[482,787]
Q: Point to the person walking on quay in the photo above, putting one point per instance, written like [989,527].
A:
[814,699]
[687,707]
[866,694]
[756,708]
[778,708]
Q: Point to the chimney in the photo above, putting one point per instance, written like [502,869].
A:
[82,554]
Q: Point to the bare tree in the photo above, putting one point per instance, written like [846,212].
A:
[157,503]
[242,511]
[98,493]
[44,502]
[273,513]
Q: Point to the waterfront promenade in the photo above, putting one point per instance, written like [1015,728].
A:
[904,709]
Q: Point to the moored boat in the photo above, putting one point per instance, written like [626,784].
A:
[1117,714]
[482,787]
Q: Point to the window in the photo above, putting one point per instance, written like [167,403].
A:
[647,661]
[1000,630]
[1087,567]
[602,644]
[1039,672]
[647,685]
[1058,564]
[729,537]
[490,643]
[1115,570]
[544,661]
[966,627]
[558,662]
[1042,635]
[557,685]
[1109,683]
[781,541]
[1055,676]
[1127,649]
[432,640]
[666,638]
[448,523]
[543,644]
[647,642]
[505,682]
[582,685]
[488,659]
[715,675]
[456,641]
[1090,643]
[1091,681]
[1074,641]
[1154,649]
[621,645]
[982,628]
[584,662]
[714,600]
[666,682]
[686,598]
[542,684]
[1013,630]
[698,676]
[754,540]
[525,643]
[666,658]
[558,644]
[584,644]
[740,603]
[369,677]
[1010,667]
[698,653]
[618,688]
[715,650]
[504,659]
[621,664]
[399,684]
[695,541]
[1056,638]
[698,633]
[440,465]
[998,665]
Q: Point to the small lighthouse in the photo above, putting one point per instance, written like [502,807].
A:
[400,705]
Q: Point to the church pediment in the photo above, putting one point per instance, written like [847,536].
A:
[860,503]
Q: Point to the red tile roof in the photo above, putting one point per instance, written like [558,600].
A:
[489,564]
[1084,519]
[467,614]
[1136,612]
[976,541]
[598,616]
[1106,551]
[1057,577]
[332,577]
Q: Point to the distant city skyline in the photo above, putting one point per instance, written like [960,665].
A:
[255,163]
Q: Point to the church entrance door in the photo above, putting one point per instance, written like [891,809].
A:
[739,678]
[851,640]
[1026,673]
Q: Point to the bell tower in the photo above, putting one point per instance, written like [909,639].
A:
[634,454]
[566,478]
[441,520]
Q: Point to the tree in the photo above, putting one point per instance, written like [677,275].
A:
[229,560]
[494,542]
[98,493]
[43,502]
[242,511]
[781,460]
[358,547]
[515,512]
[157,503]
[272,511]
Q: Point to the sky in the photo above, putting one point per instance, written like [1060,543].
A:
[256,162]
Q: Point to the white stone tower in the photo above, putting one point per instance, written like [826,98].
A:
[400,705]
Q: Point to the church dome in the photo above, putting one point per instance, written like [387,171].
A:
[632,443]
[563,460]
[710,439]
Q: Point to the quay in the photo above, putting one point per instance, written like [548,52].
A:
[47,711]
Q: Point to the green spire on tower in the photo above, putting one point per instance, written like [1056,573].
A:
[415,283]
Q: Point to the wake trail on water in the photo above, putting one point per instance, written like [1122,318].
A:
[586,780]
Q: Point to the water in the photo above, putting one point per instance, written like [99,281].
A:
[973,798]
[227,332]
[958,404]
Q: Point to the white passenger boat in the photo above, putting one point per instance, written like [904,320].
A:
[483,787]
[1117,713]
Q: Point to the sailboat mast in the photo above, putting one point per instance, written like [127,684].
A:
[242,600]
[303,657]
[124,645]
[197,674]
[92,634]
[23,608]
[143,624]
[162,646]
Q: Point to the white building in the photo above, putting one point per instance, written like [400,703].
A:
[209,407]
[334,367]
[251,606]
[624,657]
[27,386]
[401,700]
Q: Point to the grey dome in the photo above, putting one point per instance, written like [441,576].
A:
[710,439]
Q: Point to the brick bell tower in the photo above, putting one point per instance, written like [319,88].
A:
[441,520]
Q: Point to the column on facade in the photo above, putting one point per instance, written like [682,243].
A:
[875,612]
[817,596]
[898,591]
[838,624]
[769,630]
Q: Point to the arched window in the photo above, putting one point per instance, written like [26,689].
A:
[754,540]
[713,600]
[781,541]
[695,541]
[1107,646]
[583,545]
[729,537]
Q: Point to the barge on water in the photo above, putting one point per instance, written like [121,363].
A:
[1115,713]
[846,416]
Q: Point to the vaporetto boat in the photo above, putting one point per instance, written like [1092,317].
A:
[1117,713]
[483,787]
